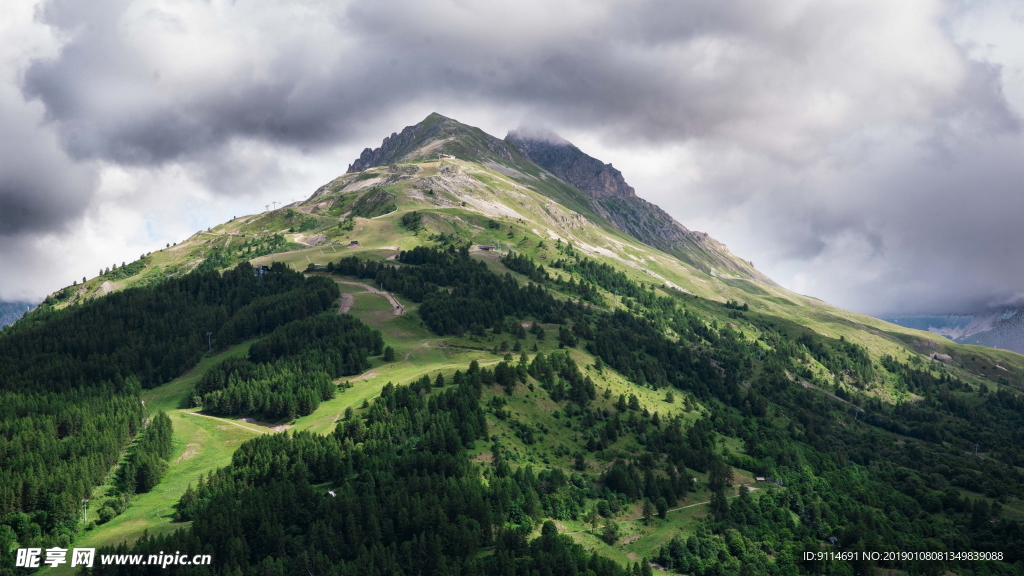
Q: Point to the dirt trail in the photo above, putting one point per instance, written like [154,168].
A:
[807,384]
[347,300]
[751,488]
[232,422]
[409,353]
[396,307]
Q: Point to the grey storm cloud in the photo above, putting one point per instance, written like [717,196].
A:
[159,83]
[815,130]
[39,189]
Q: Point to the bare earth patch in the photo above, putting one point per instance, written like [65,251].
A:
[347,300]
[485,457]
[191,450]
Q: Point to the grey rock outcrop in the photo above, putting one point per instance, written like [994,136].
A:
[617,201]
[561,158]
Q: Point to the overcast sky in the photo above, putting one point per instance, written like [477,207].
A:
[867,152]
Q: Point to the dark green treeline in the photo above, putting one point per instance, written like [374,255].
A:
[70,381]
[389,492]
[291,371]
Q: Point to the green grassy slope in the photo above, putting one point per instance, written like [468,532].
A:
[201,444]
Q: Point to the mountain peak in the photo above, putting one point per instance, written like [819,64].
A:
[603,187]
[435,135]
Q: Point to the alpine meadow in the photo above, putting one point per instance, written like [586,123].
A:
[478,356]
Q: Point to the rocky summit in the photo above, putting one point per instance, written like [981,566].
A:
[604,189]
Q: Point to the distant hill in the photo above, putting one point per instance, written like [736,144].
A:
[996,329]
[952,326]
[1007,332]
[11,311]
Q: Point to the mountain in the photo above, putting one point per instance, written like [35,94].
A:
[1002,329]
[605,192]
[1006,331]
[952,326]
[478,371]
[11,311]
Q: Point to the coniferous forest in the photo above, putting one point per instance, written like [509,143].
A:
[392,489]
[291,371]
[403,499]
[70,379]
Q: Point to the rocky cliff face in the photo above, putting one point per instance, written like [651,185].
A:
[561,158]
[617,201]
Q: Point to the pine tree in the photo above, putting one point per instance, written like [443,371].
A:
[719,505]
[662,506]
[593,517]
[186,505]
[611,532]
